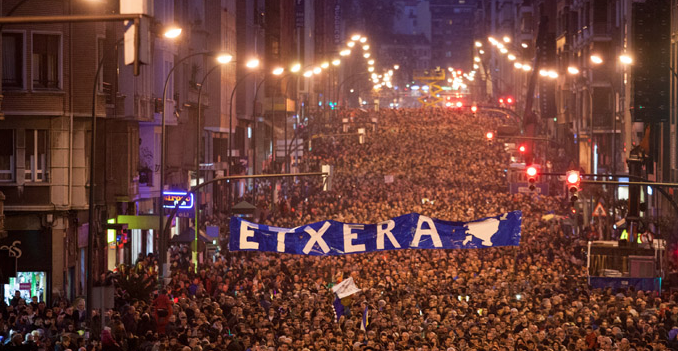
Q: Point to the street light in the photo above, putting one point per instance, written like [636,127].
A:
[625,59]
[92,163]
[336,62]
[596,59]
[355,37]
[172,32]
[162,238]
[225,58]
[295,68]
[276,72]
[253,63]
[572,70]
[222,60]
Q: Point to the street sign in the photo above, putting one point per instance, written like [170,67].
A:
[185,209]
[599,211]
[171,198]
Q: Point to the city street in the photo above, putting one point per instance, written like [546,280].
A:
[338,175]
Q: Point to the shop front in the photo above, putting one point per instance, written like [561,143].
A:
[26,261]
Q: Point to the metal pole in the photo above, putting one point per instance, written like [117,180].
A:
[162,238]
[91,225]
[92,207]
[197,165]
[230,131]
[70,19]
[591,168]
[254,119]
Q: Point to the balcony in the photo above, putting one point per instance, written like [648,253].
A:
[143,108]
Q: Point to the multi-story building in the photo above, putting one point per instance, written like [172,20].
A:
[452,26]
[46,136]
[413,18]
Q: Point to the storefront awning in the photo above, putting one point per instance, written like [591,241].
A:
[140,222]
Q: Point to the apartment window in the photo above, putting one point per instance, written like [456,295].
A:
[36,155]
[6,155]
[12,60]
[46,61]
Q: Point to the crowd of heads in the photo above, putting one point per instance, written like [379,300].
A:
[431,161]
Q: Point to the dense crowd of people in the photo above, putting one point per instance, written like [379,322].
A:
[435,162]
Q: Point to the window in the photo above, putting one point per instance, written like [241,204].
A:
[12,60]
[6,155]
[46,61]
[36,155]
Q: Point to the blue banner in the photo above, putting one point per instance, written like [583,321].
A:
[410,231]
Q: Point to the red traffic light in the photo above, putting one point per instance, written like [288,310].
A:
[531,177]
[572,177]
[489,135]
[501,100]
[521,148]
[509,100]
[460,104]
[474,109]
[531,171]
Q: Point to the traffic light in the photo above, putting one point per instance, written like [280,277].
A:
[489,137]
[532,177]
[474,109]
[460,104]
[501,101]
[522,148]
[509,100]
[572,178]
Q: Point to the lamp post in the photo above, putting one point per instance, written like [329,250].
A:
[253,63]
[92,162]
[170,33]
[222,59]
[276,72]
[597,60]
[624,60]
[346,80]
[162,237]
